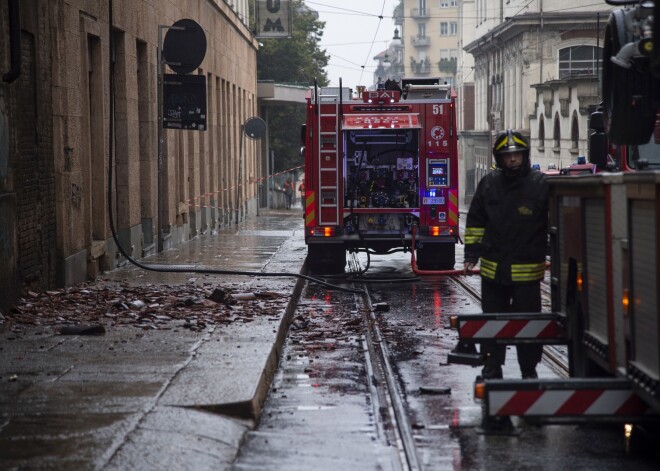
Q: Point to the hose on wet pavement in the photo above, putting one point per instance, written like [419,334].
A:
[174,269]
[420,272]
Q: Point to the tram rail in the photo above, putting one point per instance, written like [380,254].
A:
[378,359]
[385,388]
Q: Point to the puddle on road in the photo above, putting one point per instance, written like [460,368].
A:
[313,408]
[284,234]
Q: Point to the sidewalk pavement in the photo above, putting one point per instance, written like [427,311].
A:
[175,391]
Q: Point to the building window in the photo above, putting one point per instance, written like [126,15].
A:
[444,29]
[579,60]
[556,135]
[453,28]
[575,132]
[444,4]
[541,131]
[447,64]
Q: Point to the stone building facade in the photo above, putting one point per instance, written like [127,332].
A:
[429,34]
[525,53]
[63,120]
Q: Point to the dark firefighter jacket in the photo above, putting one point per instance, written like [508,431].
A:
[506,228]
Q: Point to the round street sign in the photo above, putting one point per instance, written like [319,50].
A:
[255,128]
[184,47]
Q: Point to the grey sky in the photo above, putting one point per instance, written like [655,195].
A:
[353,35]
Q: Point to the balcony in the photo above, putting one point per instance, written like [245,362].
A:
[421,41]
[420,68]
[420,14]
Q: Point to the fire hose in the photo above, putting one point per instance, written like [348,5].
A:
[420,272]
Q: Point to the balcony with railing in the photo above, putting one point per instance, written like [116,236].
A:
[422,67]
[421,41]
[420,13]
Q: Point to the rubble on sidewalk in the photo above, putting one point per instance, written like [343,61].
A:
[148,307]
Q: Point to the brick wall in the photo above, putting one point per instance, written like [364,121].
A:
[29,186]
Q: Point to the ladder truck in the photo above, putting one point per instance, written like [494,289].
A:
[378,164]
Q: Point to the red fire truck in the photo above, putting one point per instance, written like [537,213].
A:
[605,253]
[379,163]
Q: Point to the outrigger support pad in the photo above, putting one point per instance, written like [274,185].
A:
[465,353]
[472,359]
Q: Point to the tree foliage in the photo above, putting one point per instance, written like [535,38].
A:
[299,59]
[285,122]
[296,61]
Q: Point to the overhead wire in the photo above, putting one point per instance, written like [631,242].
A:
[372,42]
[489,16]
[362,67]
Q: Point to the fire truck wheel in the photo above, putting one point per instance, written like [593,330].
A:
[628,96]
[436,256]
[323,259]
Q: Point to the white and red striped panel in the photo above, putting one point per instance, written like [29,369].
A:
[509,329]
[564,403]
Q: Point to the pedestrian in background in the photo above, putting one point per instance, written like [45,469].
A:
[288,192]
[301,189]
[506,231]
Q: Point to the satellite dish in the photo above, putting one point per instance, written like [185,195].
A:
[184,47]
[255,128]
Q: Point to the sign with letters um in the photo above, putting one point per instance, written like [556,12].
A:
[184,102]
[273,18]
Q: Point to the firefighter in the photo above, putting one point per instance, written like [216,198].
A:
[506,231]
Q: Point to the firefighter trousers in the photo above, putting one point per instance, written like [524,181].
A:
[514,298]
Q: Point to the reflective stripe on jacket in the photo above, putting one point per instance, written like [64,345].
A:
[506,228]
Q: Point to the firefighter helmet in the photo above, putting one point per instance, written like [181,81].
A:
[508,142]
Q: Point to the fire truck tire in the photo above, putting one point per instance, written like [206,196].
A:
[628,95]
[436,256]
[323,259]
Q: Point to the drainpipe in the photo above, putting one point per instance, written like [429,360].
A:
[15,42]
[541,43]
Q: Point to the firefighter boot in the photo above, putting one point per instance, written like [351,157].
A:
[529,373]
[528,357]
[494,360]
[491,371]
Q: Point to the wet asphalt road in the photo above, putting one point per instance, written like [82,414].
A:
[321,412]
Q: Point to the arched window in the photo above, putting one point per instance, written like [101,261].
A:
[556,135]
[575,132]
[541,130]
[579,60]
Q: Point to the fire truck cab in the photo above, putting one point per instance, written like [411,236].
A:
[378,163]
